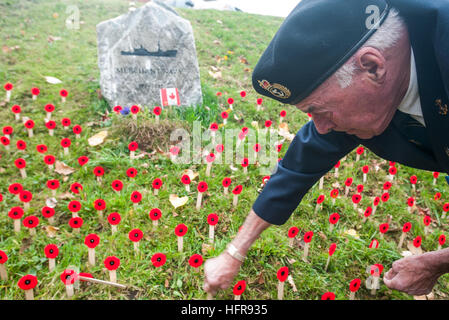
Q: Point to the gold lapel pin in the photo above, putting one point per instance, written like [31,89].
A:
[443,109]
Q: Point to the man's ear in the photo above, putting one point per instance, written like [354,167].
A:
[372,63]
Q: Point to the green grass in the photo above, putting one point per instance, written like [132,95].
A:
[238,36]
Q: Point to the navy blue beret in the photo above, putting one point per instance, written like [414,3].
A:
[313,42]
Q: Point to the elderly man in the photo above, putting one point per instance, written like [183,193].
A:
[369,76]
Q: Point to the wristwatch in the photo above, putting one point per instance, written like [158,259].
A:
[232,250]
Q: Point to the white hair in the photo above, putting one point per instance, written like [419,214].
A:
[386,36]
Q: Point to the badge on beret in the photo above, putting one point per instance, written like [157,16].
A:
[275,89]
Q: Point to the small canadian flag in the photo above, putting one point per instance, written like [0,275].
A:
[170,97]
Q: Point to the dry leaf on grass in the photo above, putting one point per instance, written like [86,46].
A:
[215,75]
[177,201]
[62,168]
[52,80]
[243,60]
[260,279]
[206,248]
[97,139]
[51,231]
[66,195]
[51,202]
[192,175]
[352,232]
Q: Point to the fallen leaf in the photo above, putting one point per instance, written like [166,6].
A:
[167,283]
[217,42]
[50,39]
[192,175]
[51,231]
[206,248]
[26,242]
[66,195]
[414,250]
[52,80]
[255,124]
[260,279]
[352,232]
[215,75]
[406,254]
[178,202]
[98,138]
[292,283]
[6,49]
[51,202]
[62,168]
[243,60]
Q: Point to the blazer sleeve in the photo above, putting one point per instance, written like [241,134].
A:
[309,157]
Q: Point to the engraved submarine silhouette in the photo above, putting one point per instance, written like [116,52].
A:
[144,52]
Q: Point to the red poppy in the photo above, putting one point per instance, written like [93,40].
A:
[410,201]
[98,171]
[282,274]
[136,197]
[374,243]
[356,198]
[212,219]
[320,199]
[241,135]
[437,196]
[237,190]
[112,263]
[245,162]
[360,150]
[245,130]
[135,109]
[3,257]
[436,174]
[259,100]
[279,147]
[202,186]
[83,160]
[196,260]
[383,228]
[68,276]
[41,148]
[392,170]
[117,185]
[213,126]
[91,240]
[16,109]
[210,157]
[226,182]
[427,220]
[265,179]
[5,141]
[117,109]
[76,187]
[268,123]
[135,235]
[292,232]
[20,163]
[155,214]
[76,222]
[114,218]
[385,197]
[224,115]
[49,159]
[376,269]
[74,206]
[334,217]
[407,226]
[49,107]
[392,163]
[308,236]
[158,259]
[243,94]
[64,93]
[219,148]
[360,188]
[283,113]
[230,101]
[413,179]
[48,212]
[35,91]
[157,183]
[417,241]
[29,124]
[181,230]
[66,142]
[348,182]
[338,164]
[387,185]
[25,196]
[7,130]
[21,145]
[51,251]
[332,248]
[157,111]
[446,207]
[8,86]
[27,282]
[365,169]
[66,122]
[15,213]
[328,296]
[218,94]
[239,288]
[53,184]
[354,285]
[334,193]
[185,179]
[133,146]
[77,129]
[376,201]
[99,204]
[51,125]
[368,211]
[31,222]
[174,150]
[441,240]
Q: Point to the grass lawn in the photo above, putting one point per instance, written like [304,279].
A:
[36,43]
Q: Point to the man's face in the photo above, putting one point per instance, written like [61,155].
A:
[357,109]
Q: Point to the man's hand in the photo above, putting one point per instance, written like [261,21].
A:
[415,275]
[219,272]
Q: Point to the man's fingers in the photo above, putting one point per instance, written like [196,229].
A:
[390,274]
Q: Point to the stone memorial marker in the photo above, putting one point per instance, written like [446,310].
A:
[143,51]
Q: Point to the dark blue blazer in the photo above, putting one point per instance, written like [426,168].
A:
[311,155]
